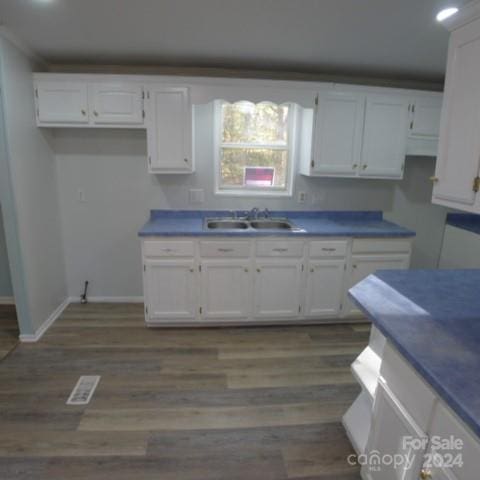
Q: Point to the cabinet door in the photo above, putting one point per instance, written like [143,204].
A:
[226,290]
[391,434]
[277,288]
[324,288]
[170,290]
[169,130]
[459,147]
[385,137]
[364,265]
[425,113]
[117,104]
[338,133]
[61,102]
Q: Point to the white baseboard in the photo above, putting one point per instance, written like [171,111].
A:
[7,301]
[109,299]
[46,324]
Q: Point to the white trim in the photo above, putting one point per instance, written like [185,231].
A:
[109,299]
[7,301]
[29,338]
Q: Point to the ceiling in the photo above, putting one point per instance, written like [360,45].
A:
[378,38]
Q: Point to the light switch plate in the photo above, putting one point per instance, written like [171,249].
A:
[196,196]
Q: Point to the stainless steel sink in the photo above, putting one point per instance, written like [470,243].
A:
[271,224]
[222,224]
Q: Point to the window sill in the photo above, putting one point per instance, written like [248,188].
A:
[252,194]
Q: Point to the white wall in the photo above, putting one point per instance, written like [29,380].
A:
[413,208]
[100,235]
[5,280]
[34,185]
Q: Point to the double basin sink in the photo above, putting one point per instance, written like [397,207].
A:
[245,224]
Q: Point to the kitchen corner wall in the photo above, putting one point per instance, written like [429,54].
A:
[109,168]
[5,281]
[28,170]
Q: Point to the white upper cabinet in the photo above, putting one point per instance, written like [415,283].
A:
[61,102]
[425,113]
[120,103]
[459,148]
[338,133]
[357,134]
[385,136]
[169,129]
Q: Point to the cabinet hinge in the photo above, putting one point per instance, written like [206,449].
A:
[411,125]
[200,310]
[148,94]
[409,108]
[143,94]
[36,92]
[199,268]
[144,268]
[312,163]
[345,267]
[316,101]
[146,310]
[303,268]
[299,308]
[476,184]
[38,112]
[143,113]
[413,108]
[150,160]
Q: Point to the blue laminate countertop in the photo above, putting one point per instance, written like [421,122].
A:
[465,221]
[333,224]
[433,319]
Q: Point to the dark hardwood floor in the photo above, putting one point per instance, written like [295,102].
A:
[8,330]
[207,404]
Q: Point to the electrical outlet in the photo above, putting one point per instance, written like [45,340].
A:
[301,197]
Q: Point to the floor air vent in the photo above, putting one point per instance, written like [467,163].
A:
[83,391]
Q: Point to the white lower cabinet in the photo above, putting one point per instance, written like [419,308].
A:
[226,290]
[170,290]
[324,288]
[364,265]
[393,432]
[225,280]
[277,289]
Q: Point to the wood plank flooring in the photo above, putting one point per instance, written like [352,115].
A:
[8,330]
[208,404]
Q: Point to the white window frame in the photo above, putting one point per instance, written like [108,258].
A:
[260,191]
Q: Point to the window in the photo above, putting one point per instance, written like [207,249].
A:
[254,148]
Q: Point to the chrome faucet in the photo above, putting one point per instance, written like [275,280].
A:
[253,214]
[266,213]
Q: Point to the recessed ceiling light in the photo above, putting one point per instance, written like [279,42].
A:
[446,13]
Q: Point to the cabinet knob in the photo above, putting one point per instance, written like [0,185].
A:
[354,166]
[426,474]
[95,113]
[364,167]
[246,270]
[258,270]
[192,270]
[185,160]
[312,270]
[434,179]
[84,112]
[354,266]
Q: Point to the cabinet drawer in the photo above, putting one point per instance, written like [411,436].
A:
[328,249]
[280,248]
[222,248]
[168,248]
[410,389]
[381,245]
